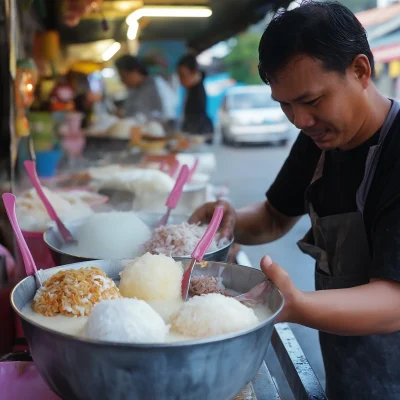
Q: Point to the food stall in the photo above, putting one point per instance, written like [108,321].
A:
[107,165]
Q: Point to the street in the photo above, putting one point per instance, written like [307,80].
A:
[249,171]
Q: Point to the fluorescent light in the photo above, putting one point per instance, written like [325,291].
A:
[111,51]
[169,12]
[107,73]
[133,30]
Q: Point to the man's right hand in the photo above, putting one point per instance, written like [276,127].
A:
[204,214]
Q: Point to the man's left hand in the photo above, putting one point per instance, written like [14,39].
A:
[277,275]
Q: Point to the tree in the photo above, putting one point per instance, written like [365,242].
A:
[242,61]
[359,5]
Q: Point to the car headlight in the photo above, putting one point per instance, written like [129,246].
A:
[236,121]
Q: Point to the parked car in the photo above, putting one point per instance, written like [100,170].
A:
[249,115]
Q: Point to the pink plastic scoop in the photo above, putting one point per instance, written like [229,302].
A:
[174,168]
[30,167]
[193,169]
[163,165]
[175,195]
[201,248]
[30,266]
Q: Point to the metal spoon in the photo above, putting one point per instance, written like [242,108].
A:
[30,167]
[30,266]
[175,195]
[201,248]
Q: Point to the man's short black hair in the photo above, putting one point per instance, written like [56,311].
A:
[326,31]
[189,61]
[131,64]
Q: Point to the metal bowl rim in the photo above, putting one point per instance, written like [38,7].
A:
[59,251]
[185,343]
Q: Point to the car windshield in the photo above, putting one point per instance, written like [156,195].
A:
[249,100]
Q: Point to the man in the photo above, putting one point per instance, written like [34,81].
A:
[147,95]
[344,171]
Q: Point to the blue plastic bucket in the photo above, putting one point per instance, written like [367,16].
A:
[47,162]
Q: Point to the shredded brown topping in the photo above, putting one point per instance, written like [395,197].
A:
[74,292]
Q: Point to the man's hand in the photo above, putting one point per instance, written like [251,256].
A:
[205,213]
[277,275]
[369,309]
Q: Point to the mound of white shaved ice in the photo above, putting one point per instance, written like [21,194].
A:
[140,180]
[111,235]
[212,315]
[32,216]
[125,321]
[152,277]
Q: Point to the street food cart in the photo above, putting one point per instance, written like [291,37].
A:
[17,368]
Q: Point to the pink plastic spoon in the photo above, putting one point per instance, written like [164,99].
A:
[193,169]
[175,195]
[30,167]
[174,168]
[163,164]
[201,248]
[30,266]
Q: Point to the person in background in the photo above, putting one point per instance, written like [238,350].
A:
[195,118]
[147,95]
[84,99]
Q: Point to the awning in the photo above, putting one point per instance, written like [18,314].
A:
[229,18]
[387,53]
[377,16]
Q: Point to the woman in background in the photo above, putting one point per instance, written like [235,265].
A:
[195,119]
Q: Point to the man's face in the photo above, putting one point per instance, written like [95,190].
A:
[186,76]
[131,79]
[325,105]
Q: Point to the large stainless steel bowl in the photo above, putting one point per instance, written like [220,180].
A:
[55,242]
[215,368]
[193,196]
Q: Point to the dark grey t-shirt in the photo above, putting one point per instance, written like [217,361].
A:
[335,192]
[144,99]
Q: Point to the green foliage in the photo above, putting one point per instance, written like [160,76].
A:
[242,61]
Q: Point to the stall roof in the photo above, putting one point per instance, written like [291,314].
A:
[229,18]
[383,29]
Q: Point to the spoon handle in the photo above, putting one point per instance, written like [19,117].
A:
[201,248]
[209,234]
[176,193]
[9,203]
[193,169]
[30,167]
[174,168]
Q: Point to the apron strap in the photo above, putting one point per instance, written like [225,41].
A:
[319,169]
[373,157]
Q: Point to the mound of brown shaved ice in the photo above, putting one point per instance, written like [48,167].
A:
[203,284]
[180,240]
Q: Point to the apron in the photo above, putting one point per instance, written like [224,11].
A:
[357,367]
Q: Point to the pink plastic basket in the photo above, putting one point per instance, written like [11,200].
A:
[21,380]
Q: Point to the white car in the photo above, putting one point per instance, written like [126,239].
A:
[249,115]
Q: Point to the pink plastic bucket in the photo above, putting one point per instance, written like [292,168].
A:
[21,380]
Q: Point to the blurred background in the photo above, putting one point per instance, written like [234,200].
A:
[69,106]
